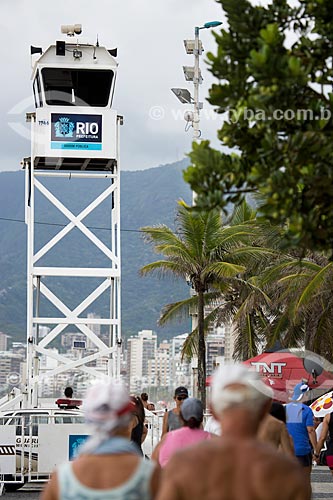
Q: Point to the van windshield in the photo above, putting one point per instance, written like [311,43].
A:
[77,87]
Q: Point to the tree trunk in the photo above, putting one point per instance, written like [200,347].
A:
[201,351]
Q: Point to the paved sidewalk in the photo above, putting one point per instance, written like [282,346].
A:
[321,480]
[322,483]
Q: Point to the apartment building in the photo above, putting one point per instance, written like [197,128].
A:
[140,350]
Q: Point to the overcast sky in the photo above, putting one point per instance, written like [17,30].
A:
[149,35]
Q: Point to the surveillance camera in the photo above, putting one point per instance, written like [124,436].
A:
[188,116]
[71,29]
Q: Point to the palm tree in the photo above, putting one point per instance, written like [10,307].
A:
[302,290]
[249,304]
[208,255]
[247,307]
[242,301]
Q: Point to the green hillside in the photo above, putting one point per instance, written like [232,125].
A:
[147,197]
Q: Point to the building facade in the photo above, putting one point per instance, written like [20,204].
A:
[140,350]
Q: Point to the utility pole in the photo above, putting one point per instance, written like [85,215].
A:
[193,73]
[197,80]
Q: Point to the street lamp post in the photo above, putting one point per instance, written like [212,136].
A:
[197,80]
[193,73]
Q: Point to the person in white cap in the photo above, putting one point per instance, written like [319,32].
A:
[300,426]
[236,465]
[109,466]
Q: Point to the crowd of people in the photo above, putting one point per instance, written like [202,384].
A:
[250,449]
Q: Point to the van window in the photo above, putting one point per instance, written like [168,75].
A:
[73,419]
[29,419]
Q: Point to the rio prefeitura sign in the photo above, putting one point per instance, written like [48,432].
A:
[76,131]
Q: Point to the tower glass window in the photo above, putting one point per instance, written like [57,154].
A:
[77,87]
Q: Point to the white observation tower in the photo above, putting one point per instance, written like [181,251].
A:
[74,136]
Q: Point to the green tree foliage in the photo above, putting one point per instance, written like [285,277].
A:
[274,65]
[301,291]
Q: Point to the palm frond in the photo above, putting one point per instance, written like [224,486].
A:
[190,346]
[314,285]
[177,310]
[273,273]
[246,343]
[251,256]
[242,213]
[292,277]
[225,269]
[163,268]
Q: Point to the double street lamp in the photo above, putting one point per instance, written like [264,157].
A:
[193,73]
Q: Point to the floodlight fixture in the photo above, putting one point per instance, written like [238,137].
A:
[190,46]
[190,74]
[193,74]
[183,95]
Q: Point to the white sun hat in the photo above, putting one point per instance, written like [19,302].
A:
[249,387]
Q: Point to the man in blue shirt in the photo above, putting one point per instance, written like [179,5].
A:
[301,426]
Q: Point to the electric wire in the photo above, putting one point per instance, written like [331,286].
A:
[9,219]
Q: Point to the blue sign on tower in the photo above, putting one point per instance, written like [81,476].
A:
[73,131]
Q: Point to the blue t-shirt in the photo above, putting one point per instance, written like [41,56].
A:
[299,417]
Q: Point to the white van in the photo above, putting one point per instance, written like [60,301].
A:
[40,433]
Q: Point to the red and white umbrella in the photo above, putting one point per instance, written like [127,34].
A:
[323,405]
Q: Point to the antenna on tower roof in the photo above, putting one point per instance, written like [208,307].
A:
[97,45]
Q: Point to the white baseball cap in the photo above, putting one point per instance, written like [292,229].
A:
[223,397]
[106,404]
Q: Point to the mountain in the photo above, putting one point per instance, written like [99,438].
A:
[148,197]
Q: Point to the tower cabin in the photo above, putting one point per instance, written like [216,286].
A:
[74,126]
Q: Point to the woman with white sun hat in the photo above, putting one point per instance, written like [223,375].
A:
[109,466]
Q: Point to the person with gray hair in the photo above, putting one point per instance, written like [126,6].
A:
[236,465]
[109,466]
